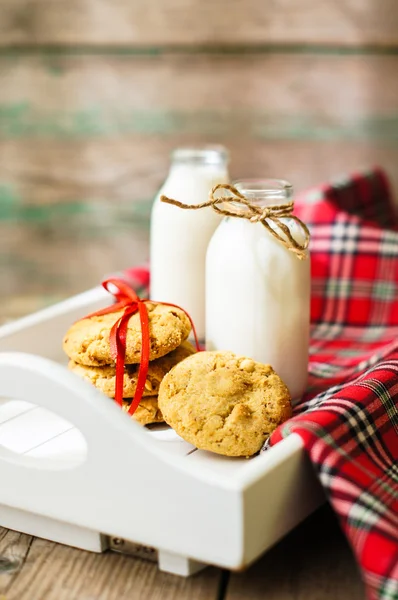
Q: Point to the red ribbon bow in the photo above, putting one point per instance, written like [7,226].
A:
[127,299]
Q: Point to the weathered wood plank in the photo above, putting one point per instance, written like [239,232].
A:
[313,563]
[61,233]
[63,257]
[76,129]
[85,144]
[273,96]
[32,568]
[100,182]
[249,22]
[14,549]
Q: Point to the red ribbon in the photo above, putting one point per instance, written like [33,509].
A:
[127,299]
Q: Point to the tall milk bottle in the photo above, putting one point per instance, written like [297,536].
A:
[257,290]
[179,238]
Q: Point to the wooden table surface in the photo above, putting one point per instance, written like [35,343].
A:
[314,562]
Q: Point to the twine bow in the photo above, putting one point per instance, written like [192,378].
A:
[127,299]
[256,214]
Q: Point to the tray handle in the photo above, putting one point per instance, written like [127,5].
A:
[46,384]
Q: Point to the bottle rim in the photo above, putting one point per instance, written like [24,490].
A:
[207,154]
[265,189]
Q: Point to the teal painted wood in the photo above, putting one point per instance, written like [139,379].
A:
[113,176]
[264,97]
[22,121]
[15,209]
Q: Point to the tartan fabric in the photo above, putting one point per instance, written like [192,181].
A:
[348,418]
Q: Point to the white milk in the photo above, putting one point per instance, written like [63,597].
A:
[179,238]
[258,292]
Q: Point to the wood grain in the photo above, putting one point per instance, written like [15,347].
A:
[60,234]
[31,568]
[313,563]
[85,143]
[273,96]
[110,179]
[59,259]
[198,22]
[83,130]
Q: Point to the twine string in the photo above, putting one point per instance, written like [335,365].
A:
[267,216]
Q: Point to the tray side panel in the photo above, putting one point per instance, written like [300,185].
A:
[279,500]
[50,529]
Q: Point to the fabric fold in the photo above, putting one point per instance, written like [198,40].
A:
[348,419]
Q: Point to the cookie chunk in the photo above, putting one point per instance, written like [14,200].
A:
[87,341]
[224,403]
[147,411]
[104,378]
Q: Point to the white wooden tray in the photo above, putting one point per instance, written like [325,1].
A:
[76,470]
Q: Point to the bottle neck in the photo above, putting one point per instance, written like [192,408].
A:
[193,180]
[201,156]
[185,168]
[266,192]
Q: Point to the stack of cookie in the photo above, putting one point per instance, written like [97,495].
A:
[88,347]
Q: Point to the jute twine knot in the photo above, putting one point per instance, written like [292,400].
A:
[254,213]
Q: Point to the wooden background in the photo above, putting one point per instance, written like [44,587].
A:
[95,93]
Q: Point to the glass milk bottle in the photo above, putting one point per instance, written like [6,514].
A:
[258,291]
[179,238]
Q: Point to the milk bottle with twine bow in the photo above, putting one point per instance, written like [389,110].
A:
[258,278]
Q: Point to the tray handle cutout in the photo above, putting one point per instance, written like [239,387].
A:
[37,437]
[45,396]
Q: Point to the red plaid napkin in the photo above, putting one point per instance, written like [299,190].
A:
[349,416]
[348,419]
